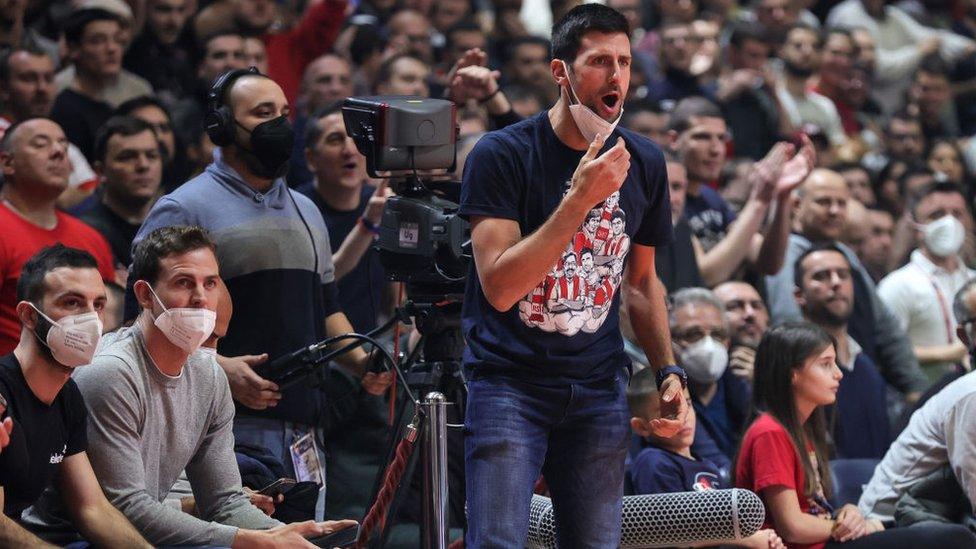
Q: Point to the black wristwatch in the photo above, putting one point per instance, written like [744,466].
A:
[663,374]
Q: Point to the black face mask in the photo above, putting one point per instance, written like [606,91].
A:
[271,147]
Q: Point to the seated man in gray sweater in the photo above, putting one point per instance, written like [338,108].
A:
[157,405]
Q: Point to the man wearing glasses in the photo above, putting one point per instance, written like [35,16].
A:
[700,338]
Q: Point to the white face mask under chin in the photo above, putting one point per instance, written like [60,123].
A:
[589,123]
[185,327]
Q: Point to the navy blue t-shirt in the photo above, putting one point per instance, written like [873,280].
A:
[659,471]
[709,216]
[361,289]
[566,329]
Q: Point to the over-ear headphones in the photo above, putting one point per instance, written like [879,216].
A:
[219,121]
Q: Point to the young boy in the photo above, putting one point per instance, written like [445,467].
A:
[666,464]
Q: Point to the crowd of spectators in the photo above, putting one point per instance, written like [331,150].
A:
[821,163]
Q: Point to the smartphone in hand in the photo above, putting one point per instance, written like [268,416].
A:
[277,487]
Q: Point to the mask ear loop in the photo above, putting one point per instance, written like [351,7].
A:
[160,301]
[47,318]
[572,91]
[40,312]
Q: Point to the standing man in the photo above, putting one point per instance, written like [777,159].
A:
[546,390]
[276,261]
[352,210]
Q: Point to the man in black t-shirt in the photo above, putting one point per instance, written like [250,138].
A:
[545,359]
[129,159]
[60,301]
[352,211]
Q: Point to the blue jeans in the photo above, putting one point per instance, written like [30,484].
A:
[576,435]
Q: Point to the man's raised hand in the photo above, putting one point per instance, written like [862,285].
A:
[597,177]
[797,168]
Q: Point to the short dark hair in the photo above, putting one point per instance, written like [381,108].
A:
[125,126]
[30,285]
[5,60]
[903,115]
[742,33]
[204,41]
[914,169]
[640,392]
[129,106]
[366,41]
[515,43]
[313,131]
[464,25]
[806,27]
[798,264]
[78,21]
[568,32]
[930,189]
[847,165]
[385,72]
[846,33]
[165,242]
[934,65]
[695,106]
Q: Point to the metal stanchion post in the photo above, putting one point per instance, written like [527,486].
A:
[434,529]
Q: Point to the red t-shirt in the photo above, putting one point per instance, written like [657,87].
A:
[289,52]
[768,458]
[19,240]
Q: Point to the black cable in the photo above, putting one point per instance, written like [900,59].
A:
[362,338]
[315,250]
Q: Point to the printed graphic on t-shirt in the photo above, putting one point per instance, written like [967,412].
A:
[705,481]
[578,291]
[707,228]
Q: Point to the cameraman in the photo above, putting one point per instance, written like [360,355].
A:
[276,262]
[545,356]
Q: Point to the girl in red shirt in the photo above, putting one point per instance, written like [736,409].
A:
[796,375]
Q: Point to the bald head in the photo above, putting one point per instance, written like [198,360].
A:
[255,100]
[857,228]
[821,206]
[34,155]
